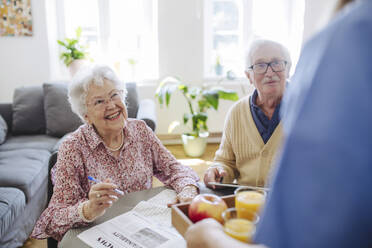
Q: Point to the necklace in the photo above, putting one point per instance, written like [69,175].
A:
[121,144]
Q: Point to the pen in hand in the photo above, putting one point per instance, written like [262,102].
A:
[98,181]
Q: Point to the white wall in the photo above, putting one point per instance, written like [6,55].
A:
[317,15]
[27,60]
[181,39]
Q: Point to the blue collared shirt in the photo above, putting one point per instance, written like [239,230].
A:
[264,125]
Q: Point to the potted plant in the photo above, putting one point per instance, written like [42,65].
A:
[199,100]
[74,53]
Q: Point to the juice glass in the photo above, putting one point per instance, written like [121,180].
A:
[248,202]
[238,228]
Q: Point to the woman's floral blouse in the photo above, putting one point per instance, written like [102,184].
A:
[84,154]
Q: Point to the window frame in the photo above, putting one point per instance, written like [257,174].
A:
[295,11]
[245,23]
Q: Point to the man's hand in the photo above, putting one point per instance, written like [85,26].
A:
[213,174]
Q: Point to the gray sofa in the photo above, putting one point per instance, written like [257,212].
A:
[34,124]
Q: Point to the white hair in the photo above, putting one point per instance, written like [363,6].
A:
[78,88]
[261,42]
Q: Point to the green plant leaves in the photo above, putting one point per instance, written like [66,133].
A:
[186,117]
[61,43]
[72,48]
[165,90]
[194,92]
[204,99]
[73,42]
[228,95]
[199,122]
[212,97]
[159,94]
[78,33]
[168,93]
[183,88]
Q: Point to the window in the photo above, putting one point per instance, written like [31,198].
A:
[121,33]
[230,25]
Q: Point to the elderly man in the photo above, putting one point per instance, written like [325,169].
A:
[253,132]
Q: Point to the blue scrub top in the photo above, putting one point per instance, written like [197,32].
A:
[322,191]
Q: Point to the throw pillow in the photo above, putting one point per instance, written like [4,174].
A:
[132,100]
[3,130]
[58,114]
[28,111]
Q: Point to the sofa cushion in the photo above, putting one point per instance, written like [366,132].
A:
[3,130]
[40,141]
[58,114]
[132,100]
[25,169]
[12,203]
[28,110]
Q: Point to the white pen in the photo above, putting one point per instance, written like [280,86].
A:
[98,181]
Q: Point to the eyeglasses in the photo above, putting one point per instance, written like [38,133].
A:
[276,66]
[115,96]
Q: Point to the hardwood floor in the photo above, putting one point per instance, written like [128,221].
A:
[197,164]
[34,243]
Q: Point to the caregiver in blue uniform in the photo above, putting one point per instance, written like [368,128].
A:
[322,191]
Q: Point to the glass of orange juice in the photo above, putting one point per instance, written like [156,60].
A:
[238,228]
[248,202]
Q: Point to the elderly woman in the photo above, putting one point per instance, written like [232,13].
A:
[121,154]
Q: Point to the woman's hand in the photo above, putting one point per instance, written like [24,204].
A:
[187,194]
[101,196]
[213,174]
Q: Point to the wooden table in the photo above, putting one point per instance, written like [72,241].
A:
[123,205]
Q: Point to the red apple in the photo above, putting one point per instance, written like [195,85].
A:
[207,206]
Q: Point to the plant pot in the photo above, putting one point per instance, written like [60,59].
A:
[195,146]
[76,65]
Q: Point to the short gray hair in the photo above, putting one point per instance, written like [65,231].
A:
[260,42]
[78,88]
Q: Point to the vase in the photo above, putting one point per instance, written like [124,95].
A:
[76,65]
[218,69]
[195,146]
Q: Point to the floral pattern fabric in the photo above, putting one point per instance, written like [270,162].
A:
[84,154]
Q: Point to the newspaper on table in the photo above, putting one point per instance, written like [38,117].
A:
[163,198]
[147,225]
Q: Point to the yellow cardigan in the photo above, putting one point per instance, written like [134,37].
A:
[242,152]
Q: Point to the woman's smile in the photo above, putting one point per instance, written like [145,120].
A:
[114,116]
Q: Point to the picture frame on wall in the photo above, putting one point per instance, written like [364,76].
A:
[15,18]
